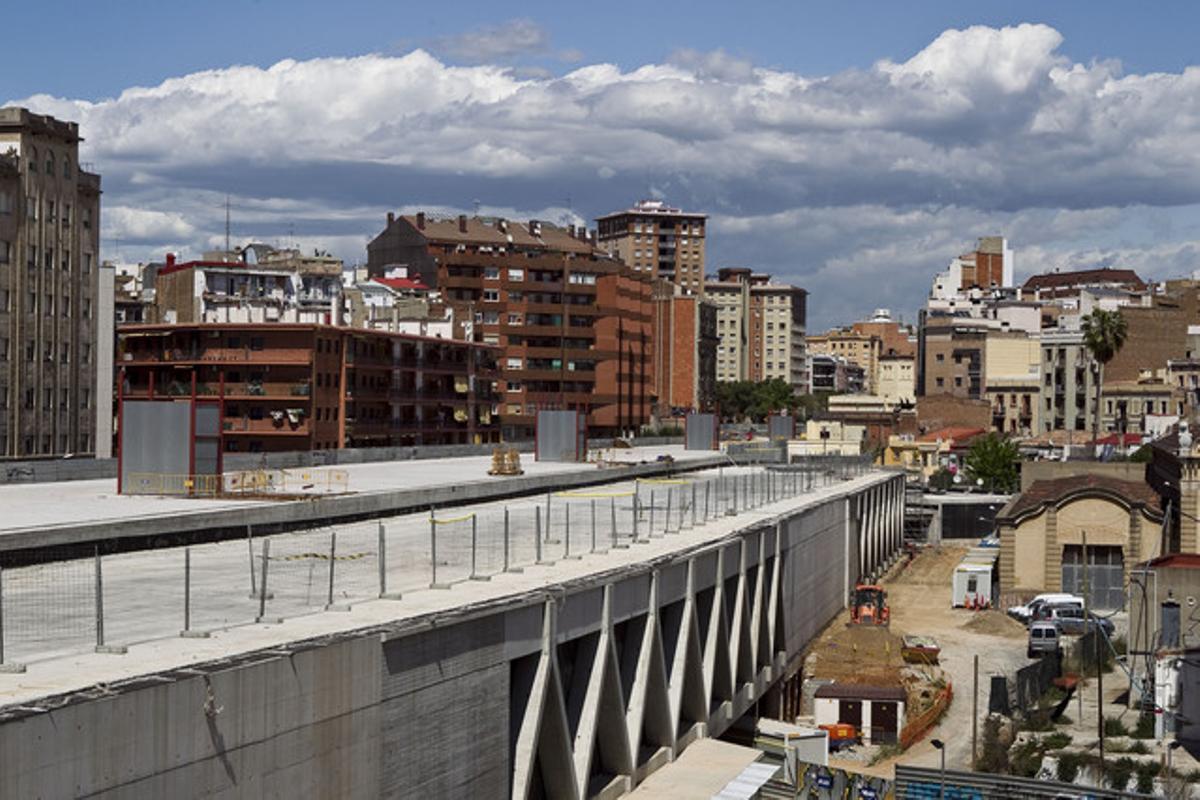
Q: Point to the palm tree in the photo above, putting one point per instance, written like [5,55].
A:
[1104,334]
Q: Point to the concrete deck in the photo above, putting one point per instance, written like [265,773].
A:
[148,654]
[47,514]
[702,770]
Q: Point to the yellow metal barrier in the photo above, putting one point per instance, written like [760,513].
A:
[448,520]
[171,484]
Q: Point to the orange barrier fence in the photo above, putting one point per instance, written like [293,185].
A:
[919,725]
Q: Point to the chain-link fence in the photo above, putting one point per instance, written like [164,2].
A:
[68,604]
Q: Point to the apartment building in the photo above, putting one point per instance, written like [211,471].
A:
[49,259]
[1068,388]
[241,291]
[685,352]
[863,349]
[655,238]
[951,356]
[1012,381]
[761,326]
[897,380]
[288,386]
[574,324]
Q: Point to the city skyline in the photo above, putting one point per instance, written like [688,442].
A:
[873,167]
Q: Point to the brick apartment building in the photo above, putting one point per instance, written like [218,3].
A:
[317,387]
[49,266]
[761,328]
[685,352]
[654,238]
[573,323]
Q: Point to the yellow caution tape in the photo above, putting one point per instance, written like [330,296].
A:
[594,494]
[670,481]
[463,518]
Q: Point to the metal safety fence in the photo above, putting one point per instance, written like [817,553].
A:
[106,602]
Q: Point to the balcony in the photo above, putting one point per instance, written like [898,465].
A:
[220,355]
[264,427]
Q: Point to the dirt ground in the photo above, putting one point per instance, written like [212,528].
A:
[919,598]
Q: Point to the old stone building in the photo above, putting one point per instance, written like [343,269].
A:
[49,266]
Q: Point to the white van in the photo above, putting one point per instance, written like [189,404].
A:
[1028,612]
[1044,639]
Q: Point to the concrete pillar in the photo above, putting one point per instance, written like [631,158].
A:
[1133,553]
[1053,581]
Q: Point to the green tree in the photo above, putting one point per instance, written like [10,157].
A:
[1104,334]
[996,460]
[741,399]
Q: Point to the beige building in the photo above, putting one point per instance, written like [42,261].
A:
[761,328]
[897,379]
[1012,381]
[654,238]
[1042,533]
[49,267]
[1068,388]
[864,349]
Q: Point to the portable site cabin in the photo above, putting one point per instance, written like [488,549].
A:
[976,579]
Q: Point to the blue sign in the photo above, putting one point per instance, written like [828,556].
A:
[824,781]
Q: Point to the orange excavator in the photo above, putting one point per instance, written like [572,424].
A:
[870,605]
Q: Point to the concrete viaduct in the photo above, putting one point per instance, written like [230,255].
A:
[564,686]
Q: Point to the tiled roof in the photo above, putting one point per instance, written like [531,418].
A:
[1084,277]
[957,435]
[857,691]
[1180,560]
[401,283]
[1047,492]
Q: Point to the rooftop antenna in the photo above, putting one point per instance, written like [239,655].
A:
[476,203]
[226,223]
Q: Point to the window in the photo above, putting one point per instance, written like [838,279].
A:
[514,386]
[256,342]
[87,218]
[33,161]
[87,308]
[513,363]
[941,382]
[491,273]
[29,399]
[66,214]
[87,263]
[4,250]
[85,353]
[66,167]
[514,319]
[958,381]
[516,274]
[51,215]
[49,399]
[50,164]
[85,398]
[491,295]
[6,202]
[49,261]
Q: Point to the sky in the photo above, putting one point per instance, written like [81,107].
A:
[850,148]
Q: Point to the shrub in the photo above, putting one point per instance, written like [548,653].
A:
[1057,740]
[1113,726]
[1146,772]
[1139,748]
[993,756]
[1144,728]
[1068,766]
[1026,759]
[1119,772]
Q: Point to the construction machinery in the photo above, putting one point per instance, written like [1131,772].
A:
[870,605]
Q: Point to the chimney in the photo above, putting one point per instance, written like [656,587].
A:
[462,223]
[420,220]
[571,231]
[391,218]
[535,228]
[170,259]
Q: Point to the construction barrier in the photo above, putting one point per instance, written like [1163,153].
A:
[283,481]
[919,724]
[170,484]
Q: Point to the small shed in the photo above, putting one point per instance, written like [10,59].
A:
[975,581]
[876,712]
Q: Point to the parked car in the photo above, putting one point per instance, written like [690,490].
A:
[1071,619]
[1027,613]
[1044,639]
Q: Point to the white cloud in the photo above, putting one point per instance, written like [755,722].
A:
[877,174]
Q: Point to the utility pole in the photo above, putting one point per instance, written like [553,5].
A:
[975,712]
[226,223]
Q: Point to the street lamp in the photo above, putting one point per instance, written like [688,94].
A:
[941,748]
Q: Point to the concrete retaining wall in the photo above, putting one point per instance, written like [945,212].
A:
[580,689]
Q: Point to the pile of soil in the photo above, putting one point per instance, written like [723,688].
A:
[995,623]
[865,654]
[933,566]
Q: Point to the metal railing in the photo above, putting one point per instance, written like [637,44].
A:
[108,602]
